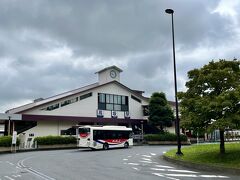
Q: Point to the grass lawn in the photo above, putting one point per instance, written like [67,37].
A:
[209,154]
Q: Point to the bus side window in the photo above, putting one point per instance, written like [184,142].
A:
[94,135]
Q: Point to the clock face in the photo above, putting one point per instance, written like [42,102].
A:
[113,74]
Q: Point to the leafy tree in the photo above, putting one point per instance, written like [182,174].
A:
[160,112]
[212,99]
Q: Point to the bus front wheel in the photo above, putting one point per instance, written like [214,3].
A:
[126,145]
[105,146]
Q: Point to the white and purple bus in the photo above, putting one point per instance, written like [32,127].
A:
[104,137]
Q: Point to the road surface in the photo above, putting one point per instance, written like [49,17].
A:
[136,163]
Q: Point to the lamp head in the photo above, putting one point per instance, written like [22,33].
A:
[169,11]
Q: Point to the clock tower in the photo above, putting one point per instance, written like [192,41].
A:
[108,74]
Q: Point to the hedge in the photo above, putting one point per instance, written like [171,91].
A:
[6,141]
[164,137]
[51,140]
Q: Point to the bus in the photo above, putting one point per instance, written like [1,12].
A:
[104,137]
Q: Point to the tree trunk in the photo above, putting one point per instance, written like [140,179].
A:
[222,147]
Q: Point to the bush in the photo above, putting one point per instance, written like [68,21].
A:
[164,137]
[51,140]
[6,141]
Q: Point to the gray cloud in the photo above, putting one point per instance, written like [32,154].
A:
[47,47]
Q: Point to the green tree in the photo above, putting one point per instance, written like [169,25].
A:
[212,99]
[160,112]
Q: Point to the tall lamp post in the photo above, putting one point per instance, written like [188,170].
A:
[170,11]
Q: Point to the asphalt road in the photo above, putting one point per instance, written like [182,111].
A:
[136,163]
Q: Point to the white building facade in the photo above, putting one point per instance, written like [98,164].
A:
[107,102]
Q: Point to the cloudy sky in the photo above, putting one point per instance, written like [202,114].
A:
[49,47]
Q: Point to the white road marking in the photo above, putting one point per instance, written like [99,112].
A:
[169,169]
[164,166]
[135,168]
[213,176]
[172,178]
[146,156]
[164,152]
[134,164]
[157,169]
[129,156]
[182,171]
[41,174]
[10,163]
[158,174]
[146,159]
[16,176]
[194,175]
[181,175]
[149,162]
[174,170]
[8,178]
[161,175]
[223,177]
[29,169]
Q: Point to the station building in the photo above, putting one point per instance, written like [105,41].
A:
[106,102]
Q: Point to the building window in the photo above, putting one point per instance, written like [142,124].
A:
[69,101]
[86,96]
[101,98]
[112,102]
[52,107]
[136,99]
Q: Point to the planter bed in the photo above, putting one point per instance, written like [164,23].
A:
[57,146]
[8,149]
[5,149]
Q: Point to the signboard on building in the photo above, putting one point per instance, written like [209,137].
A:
[114,114]
[6,116]
[100,113]
[126,114]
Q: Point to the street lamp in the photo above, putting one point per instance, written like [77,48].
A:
[170,11]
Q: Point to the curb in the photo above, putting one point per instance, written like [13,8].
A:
[38,149]
[203,167]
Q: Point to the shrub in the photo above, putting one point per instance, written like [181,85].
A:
[6,141]
[164,137]
[51,140]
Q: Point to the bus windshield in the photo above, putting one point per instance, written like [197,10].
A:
[84,132]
